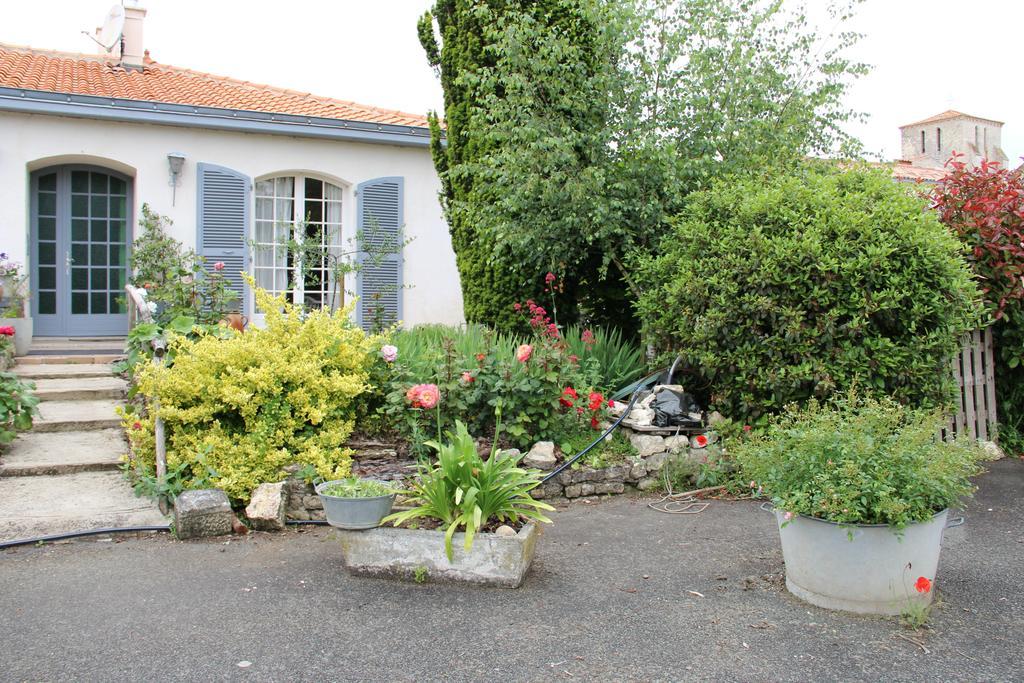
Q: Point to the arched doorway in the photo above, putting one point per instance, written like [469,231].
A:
[80,238]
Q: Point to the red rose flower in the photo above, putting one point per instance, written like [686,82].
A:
[549,278]
[7,331]
[923,585]
[480,357]
[596,400]
[700,441]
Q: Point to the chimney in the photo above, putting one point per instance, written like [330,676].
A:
[134,50]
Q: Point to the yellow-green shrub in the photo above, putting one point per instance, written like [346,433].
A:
[259,401]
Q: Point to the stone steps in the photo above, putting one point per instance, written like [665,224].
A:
[40,506]
[69,359]
[50,453]
[80,388]
[62,370]
[62,475]
[69,416]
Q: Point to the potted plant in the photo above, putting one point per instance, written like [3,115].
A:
[14,295]
[464,498]
[355,503]
[861,489]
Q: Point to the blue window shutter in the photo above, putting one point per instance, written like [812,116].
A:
[223,220]
[379,210]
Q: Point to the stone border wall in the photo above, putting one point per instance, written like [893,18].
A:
[640,472]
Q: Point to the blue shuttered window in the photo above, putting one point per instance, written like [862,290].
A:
[223,217]
[379,208]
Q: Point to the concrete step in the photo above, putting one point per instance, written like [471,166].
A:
[42,453]
[80,388]
[70,359]
[47,371]
[39,506]
[70,416]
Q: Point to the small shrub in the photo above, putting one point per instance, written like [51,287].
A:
[258,401]
[17,406]
[780,289]
[177,279]
[859,460]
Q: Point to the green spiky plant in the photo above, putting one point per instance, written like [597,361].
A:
[462,490]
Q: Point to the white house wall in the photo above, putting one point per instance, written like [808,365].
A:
[31,142]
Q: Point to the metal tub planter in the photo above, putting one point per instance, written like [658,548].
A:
[419,554]
[351,503]
[864,568]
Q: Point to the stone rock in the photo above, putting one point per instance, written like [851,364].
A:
[648,484]
[992,450]
[201,513]
[715,417]
[538,493]
[300,514]
[239,528]
[312,503]
[318,515]
[266,508]
[648,444]
[616,472]
[541,456]
[674,444]
[657,461]
[587,489]
[512,452]
[637,472]
[293,468]
[610,487]
[573,491]
[617,408]
[641,417]
[505,531]
[646,401]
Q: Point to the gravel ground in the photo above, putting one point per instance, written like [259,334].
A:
[613,595]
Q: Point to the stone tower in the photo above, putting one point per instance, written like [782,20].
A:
[930,143]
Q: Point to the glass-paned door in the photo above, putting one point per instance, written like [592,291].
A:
[80,241]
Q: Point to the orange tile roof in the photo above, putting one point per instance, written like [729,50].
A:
[51,71]
[904,170]
[949,114]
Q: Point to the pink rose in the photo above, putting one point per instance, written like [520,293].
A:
[524,352]
[389,353]
[787,515]
[219,265]
[468,378]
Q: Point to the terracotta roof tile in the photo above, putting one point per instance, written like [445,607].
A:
[92,75]
[946,115]
[904,170]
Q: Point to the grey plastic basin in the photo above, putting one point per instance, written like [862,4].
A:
[865,568]
[354,513]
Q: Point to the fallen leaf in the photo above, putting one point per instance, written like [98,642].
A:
[699,595]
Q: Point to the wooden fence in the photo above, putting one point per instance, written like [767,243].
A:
[974,371]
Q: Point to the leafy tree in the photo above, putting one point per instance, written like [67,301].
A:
[472,47]
[595,129]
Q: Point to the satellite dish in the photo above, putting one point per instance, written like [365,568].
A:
[110,33]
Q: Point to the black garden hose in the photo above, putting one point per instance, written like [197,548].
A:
[79,534]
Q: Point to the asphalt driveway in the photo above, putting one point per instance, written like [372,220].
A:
[619,592]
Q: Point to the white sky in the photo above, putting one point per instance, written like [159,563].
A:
[929,55]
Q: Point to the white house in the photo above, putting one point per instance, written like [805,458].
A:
[85,140]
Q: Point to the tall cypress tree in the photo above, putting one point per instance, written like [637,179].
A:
[471,64]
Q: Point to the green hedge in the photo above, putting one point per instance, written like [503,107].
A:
[779,289]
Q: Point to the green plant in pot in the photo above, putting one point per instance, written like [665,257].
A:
[861,488]
[355,503]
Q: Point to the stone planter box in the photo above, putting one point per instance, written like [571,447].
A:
[417,553]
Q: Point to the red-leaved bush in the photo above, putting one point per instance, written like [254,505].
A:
[984,206]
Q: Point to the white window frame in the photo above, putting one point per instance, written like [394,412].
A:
[298,204]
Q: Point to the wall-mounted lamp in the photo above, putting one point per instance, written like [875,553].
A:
[175,160]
